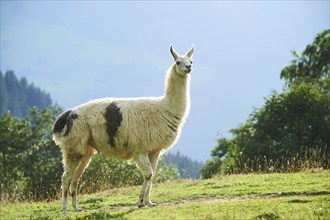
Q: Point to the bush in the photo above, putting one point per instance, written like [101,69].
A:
[29,158]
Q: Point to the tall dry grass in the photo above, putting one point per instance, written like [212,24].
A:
[304,160]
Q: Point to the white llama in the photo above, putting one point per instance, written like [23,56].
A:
[131,128]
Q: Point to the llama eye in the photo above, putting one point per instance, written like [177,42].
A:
[178,63]
[191,62]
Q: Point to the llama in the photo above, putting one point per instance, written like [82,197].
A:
[140,129]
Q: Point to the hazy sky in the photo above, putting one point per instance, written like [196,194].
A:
[82,50]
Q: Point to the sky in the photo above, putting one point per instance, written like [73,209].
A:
[83,50]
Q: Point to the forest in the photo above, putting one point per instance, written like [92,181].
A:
[16,95]
[289,133]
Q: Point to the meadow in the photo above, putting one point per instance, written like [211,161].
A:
[303,195]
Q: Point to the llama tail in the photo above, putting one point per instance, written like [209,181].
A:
[61,121]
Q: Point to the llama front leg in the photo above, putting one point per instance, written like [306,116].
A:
[143,163]
[153,158]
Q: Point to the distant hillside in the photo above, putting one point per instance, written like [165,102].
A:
[16,95]
[187,167]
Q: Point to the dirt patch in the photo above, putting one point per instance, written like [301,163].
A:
[225,199]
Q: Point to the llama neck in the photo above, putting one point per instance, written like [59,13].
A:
[177,98]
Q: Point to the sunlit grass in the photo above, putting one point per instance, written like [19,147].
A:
[260,196]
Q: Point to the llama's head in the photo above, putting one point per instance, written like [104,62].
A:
[183,63]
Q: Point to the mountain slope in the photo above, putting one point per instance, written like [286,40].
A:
[17,95]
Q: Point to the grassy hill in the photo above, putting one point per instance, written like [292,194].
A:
[303,195]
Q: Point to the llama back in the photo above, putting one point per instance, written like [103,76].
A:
[118,127]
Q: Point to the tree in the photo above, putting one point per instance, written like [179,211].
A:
[3,95]
[312,66]
[13,90]
[290,126]
[188,168]
[17,95]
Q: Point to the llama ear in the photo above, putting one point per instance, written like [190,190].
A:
[174,54]
[191,51]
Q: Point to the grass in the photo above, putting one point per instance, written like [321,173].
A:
[252,196]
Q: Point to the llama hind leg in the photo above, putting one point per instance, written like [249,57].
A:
[69,168]
[84,161]
[65,190]
[143,163]
[153,158]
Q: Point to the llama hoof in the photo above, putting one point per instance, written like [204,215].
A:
[77,209]
[140,205]
[151,204]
